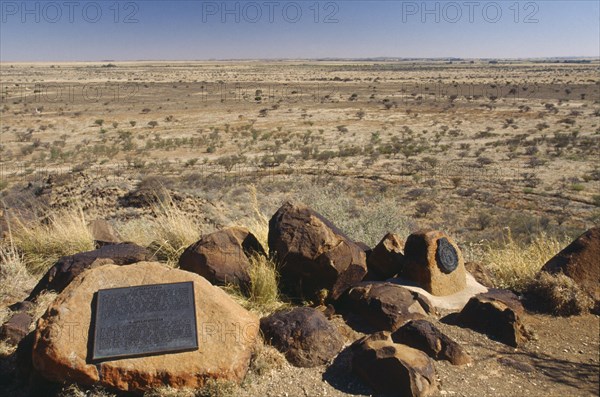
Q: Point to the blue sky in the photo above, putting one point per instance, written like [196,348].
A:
[196,29]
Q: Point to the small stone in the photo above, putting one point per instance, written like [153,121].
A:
[423,335]
[386,306]
[386,259]
[222,257]
[304,335]
[393,368]
[496,313]
[16,328]
[58,277]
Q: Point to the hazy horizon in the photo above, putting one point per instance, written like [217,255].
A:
[34,31]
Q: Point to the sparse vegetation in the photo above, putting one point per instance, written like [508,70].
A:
[515,264]
[559,294]
[63,232]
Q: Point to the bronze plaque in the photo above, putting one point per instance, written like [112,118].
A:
[144,320]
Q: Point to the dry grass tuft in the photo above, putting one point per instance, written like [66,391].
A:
[516,265]
[168,233]
[7,349]
[213,388]
[15,279]
[168,391]
[560,295]
[42,302]
[41,243]
[265,359]
[262,295]
[217,388]
[258,225]
[77,391]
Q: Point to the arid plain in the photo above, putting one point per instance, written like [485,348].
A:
[498,154]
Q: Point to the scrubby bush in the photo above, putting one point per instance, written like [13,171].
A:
[559,294]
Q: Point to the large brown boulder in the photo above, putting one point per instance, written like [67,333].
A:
[314,254]
[580,261]
[497,313]
[304,335]
[222,257]
[423,335]
[386,259]
[434,261]
[392,368]
[69,267]
[386,306]
[226,335]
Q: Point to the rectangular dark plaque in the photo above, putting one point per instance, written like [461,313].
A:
[144,320]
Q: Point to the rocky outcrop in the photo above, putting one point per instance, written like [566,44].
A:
[222,257]
[386,306]
[434,262]
[304,335]
[226,335]
[424,336]
[392,368]
[314,254]
[68,267]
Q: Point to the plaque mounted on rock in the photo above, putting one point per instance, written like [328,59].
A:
[446,256]
[144,320]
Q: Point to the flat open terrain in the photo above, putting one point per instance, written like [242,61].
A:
[469,145]
[482,150]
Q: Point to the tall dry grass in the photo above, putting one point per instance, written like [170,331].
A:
[516,264]
[258,223]
[42,242]
[15,279]
[168,233]
[262,295]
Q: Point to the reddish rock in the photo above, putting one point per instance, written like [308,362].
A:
[222,257]
[424,336]
[480,273]
[386,306]
[16,328]
[580,261]
[434,261]
[103,233]
[314,254]
[227,334]
[386,259]
[497,313]
[392,368]
[68,267]
[304,335]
